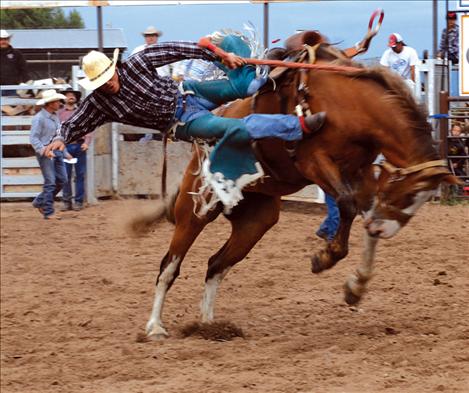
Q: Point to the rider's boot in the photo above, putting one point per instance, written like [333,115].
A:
[313,123]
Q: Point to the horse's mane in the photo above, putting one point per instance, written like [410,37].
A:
[397,93]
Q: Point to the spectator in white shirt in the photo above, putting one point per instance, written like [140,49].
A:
[400,58]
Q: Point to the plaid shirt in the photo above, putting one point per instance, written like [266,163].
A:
[145,99]
[453,44]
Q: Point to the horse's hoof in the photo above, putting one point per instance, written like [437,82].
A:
[316,266]
[350,298]
[157,336]
[155,332]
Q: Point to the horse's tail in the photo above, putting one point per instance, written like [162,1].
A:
[170,203]
[146,221]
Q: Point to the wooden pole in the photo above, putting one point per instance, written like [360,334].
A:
[435,28]
[99,10]
[266,25]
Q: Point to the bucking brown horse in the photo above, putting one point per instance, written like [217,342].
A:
[369,111]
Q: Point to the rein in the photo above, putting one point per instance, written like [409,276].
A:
[164,171]
[290,64]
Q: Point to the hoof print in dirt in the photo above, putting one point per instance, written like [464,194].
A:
[215,331]
[391,331]
[142,338]
[350,298]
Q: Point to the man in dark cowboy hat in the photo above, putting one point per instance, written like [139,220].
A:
[77,150]
[134,93]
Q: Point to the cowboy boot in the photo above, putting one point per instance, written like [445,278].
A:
[314,122]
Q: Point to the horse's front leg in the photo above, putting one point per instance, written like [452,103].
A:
[337,249]
[355,286]
[320,169]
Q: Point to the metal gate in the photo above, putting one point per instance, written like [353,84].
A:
[20,175]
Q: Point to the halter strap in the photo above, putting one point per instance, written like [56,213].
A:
[403,172]
[395,213]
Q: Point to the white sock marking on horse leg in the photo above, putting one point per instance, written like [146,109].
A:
[208,301]
[155,325]
[357,282]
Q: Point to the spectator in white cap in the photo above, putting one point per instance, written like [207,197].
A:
[44,127]
[400,58]
[12,64]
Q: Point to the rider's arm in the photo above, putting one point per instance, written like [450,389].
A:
[169,52]
[85,120]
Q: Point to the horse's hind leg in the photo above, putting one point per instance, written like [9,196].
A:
[255,215]
[188,227]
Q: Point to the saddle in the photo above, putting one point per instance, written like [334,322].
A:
[277,158]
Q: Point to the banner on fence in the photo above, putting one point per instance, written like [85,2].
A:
[464,56]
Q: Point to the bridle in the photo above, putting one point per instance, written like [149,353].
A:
[398,174]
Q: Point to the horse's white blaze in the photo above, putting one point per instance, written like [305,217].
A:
[386,228]
[155,325]
[419,200]
[210,292]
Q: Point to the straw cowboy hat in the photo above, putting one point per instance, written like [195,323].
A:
[50,96]
[5,34]
[98,69]
[151,30]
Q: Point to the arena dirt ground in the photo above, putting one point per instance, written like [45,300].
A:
[75,295]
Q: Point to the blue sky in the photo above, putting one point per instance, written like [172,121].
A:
[344,22]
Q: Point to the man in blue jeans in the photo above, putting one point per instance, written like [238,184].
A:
[329,226]
[76,150]
[44,127]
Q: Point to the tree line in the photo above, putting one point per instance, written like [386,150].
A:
[40,18]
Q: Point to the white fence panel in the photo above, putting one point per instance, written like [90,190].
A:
[20,177]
